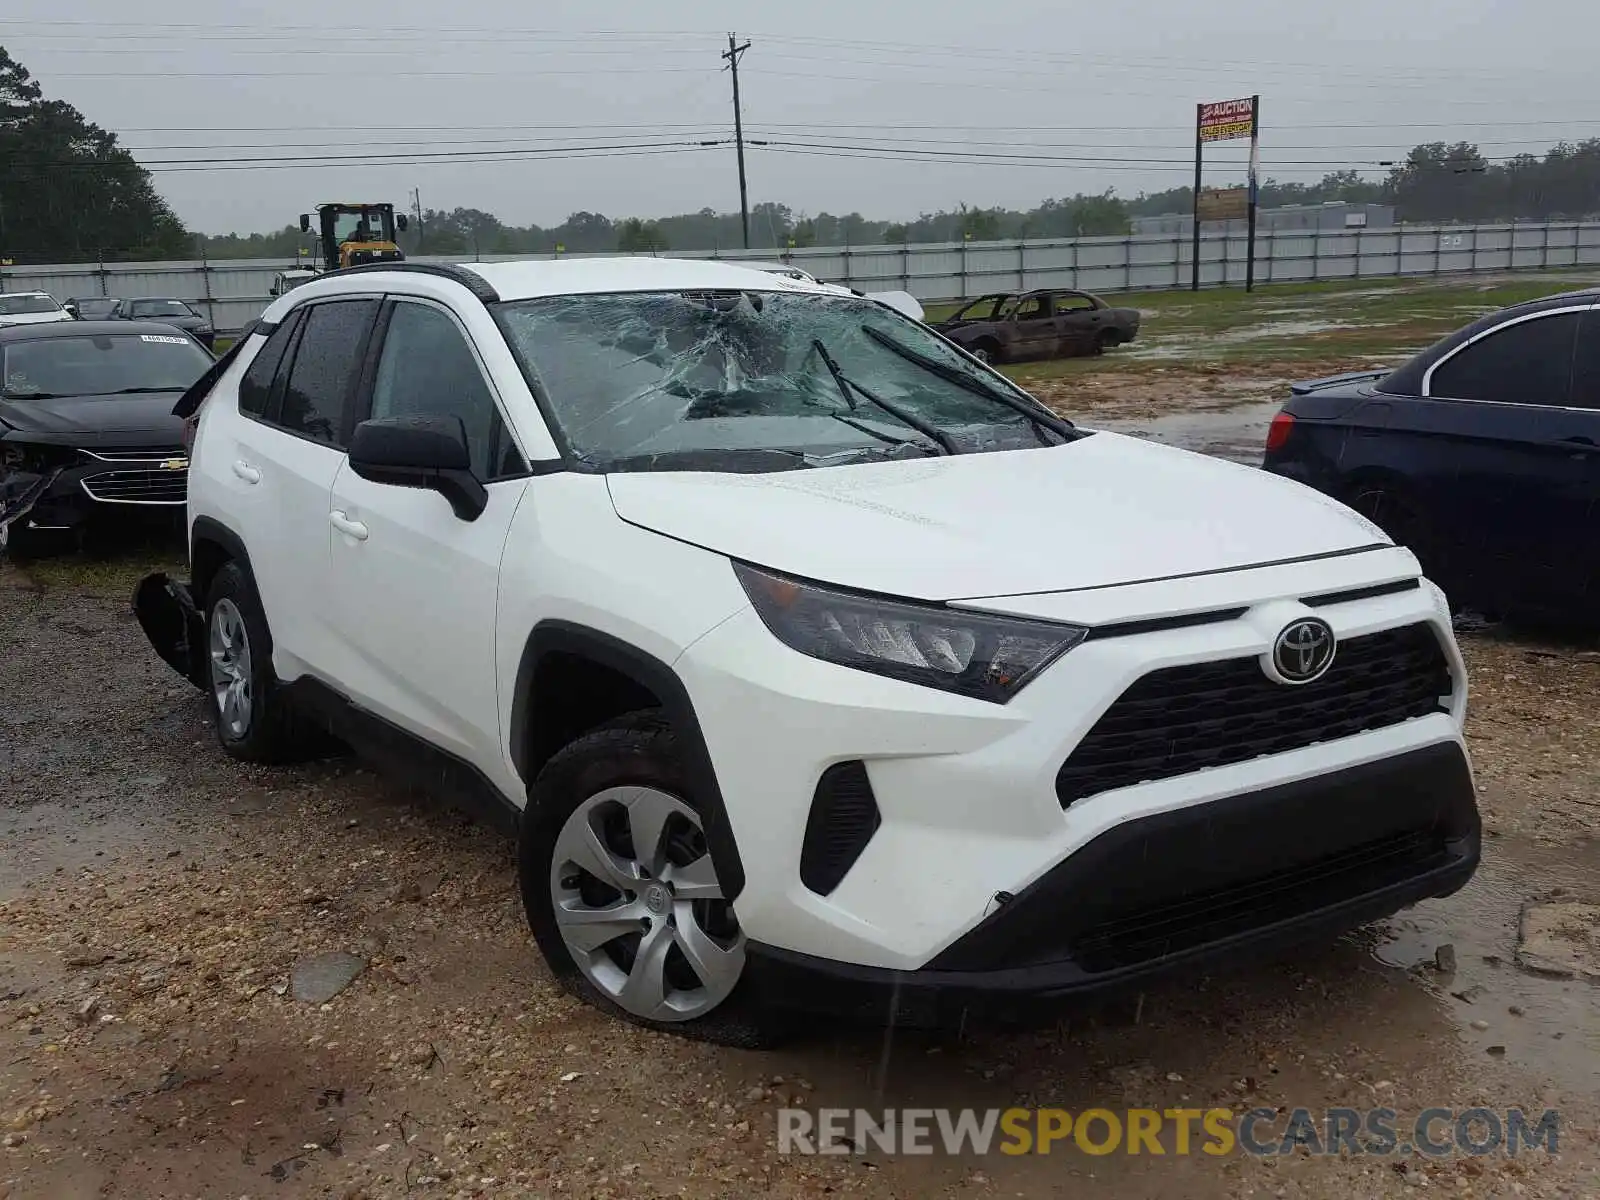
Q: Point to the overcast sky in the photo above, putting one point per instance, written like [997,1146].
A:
[1058,84]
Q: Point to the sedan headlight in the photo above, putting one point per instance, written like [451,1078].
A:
[987,658]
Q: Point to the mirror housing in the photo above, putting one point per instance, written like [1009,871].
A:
[420,452]
[400,222]
[305,222]
[70,309]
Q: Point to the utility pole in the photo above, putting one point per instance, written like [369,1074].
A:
[733,54]
[416,200]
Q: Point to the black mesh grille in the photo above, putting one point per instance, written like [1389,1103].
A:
[1154,932]
[844,816]
[1185,719]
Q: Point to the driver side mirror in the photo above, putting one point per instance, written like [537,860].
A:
[400,222]
[420,452]
[305,222]
[71,309]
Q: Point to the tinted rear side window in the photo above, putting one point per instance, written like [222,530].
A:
[326,365]
[1526,363]
[1586,363]
[256,386]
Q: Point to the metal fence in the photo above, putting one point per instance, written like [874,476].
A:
[234,291]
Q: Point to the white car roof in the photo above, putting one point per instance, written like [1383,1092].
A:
[578,276]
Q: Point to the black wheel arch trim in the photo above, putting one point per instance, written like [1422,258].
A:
[566,637]
[209,529]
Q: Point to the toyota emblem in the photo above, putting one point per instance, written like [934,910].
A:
[1303,652]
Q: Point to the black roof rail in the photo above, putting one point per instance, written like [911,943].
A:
[471,280]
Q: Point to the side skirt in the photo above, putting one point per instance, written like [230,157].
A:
[399,753]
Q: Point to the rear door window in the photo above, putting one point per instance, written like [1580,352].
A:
[255,389]
[1586,363]
[327,365]
[1526,363]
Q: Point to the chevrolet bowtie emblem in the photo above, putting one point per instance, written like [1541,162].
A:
[175,464]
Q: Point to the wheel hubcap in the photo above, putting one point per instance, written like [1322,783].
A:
[640,908]
[230,668]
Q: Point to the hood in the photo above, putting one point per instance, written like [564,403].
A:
[1102,511]
[44,318]
[97,420]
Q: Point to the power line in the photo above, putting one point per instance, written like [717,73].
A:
[168,166]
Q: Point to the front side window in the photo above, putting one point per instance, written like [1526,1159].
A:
[427,369]
[101,366]
[326,365]
[27,306]
[1529,362]
[638,381]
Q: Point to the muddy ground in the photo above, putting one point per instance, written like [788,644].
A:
[155,898]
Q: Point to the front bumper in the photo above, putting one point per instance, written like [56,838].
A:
[65,493]
[1243,876]
[965,805]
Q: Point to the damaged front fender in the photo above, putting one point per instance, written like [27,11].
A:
[167,613]
[19,492]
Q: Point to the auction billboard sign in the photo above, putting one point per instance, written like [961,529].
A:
[1227,120]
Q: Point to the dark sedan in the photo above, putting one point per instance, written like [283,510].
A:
[169,312]
[92,308]
[86,424]
[1011,326]
[1482,454]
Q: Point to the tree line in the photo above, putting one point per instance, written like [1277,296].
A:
[1435,182]
[70,193]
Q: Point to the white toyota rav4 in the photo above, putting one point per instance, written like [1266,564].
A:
[813,661]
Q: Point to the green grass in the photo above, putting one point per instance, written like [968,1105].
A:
[1355,320]
[98,576]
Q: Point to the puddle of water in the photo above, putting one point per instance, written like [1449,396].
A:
[1556,1032]
[1236,434]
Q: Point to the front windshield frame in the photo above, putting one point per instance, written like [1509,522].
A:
[27,304]
[995,414]
[35,387]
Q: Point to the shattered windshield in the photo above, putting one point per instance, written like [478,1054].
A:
[757,381]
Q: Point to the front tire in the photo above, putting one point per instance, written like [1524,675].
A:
[621,893]
[254,720]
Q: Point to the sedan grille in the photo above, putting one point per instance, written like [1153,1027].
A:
[1185,719]
[139,485]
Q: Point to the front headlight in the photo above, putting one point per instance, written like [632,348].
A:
[987,658]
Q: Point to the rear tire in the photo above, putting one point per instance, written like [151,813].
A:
[1391,510]
[1103,341]
[254,720]
[639,931]
[987,351]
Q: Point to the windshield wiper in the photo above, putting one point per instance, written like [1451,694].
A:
[140,391]
[945,442]
[31,396]
[1042,418]
[890,438]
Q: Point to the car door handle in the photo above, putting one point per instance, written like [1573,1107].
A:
[1580,440]
[346,526]
[246,472]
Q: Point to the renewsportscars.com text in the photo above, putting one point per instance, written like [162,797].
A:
[1435,1132]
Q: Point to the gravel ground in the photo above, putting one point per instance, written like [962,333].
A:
[155,898]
